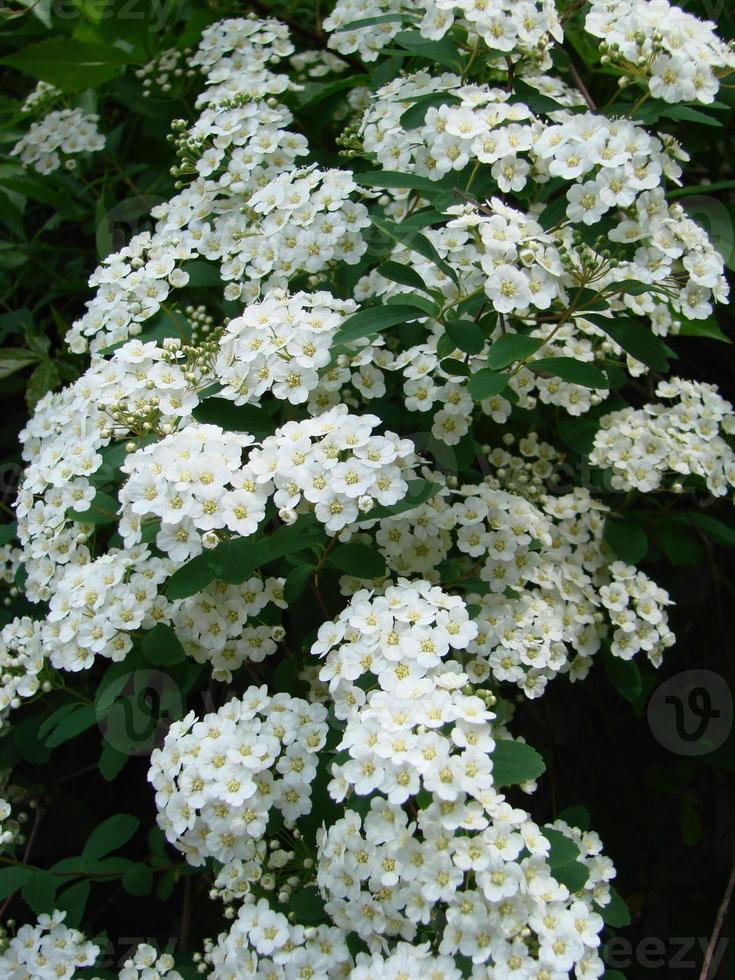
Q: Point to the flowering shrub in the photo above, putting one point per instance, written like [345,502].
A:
[336,472]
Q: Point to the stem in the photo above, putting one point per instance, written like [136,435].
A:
[721,913]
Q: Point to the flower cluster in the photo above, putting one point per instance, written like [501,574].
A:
[48,949]
[524,31]
[279,345]
[678,56]
[147,963]
[57,139]
[335,463]
[220,625]
[502,907]
[661,444]
[162,73]
[263,942]
[40,97]
[194,482]
[218,779]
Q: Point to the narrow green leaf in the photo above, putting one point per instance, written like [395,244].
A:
[466,335]
[161,646]
[515,763]
[624,676]
[571,370]
[512,347]
[402,274]
[635,339]
[72,725]
[375,319]
[486,383]
[14,359]
[616,912]
[13,878]
[234,418]
[358,559]
[563,860]
[419,491]
[192,577]
[627,539]
[110,835]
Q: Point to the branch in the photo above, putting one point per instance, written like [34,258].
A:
[721,913]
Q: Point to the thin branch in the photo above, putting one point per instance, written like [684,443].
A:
[721,913]
[579,82]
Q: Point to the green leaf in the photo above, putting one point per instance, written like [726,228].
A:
[486,383]
[680,544]
[686,113]
[44,378]
[73,900]
[466,335]
[314,92]
[563,860]
[8,532]
[616,912]
[375,319]
[56,717]
[414,299]
[624,676]
[234,418]
[635,339]
[39,891]
[402,274]
[161,646]
[13,878]
[235,561]
[191,578]
[458,368]
[111,762]
[576,816]
[571,370]
[407,234]
[307,906]
[14,359]
[703,328]
[356,25]
[73,724]
[110,835]
[102,510]
[626,538]
[394,178]
[68,63]
[415,115]
[441,52]
[296,582]
[357,559]
[419,491]
[515,763]
[512,347]
[713,528]
[138,880]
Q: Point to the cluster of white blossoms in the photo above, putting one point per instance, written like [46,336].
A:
[279,344]
[220,625]
[262,942]
[678,56]
[194,482]
[47,950]
[162,73]
[482,889]
[335,465]
[543,567]
[148,964]
[244,204]
[57,139]
[662,444]
[40,96]
[21,661]
[218,779]
[10,829]
[516,30]
[66,445]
